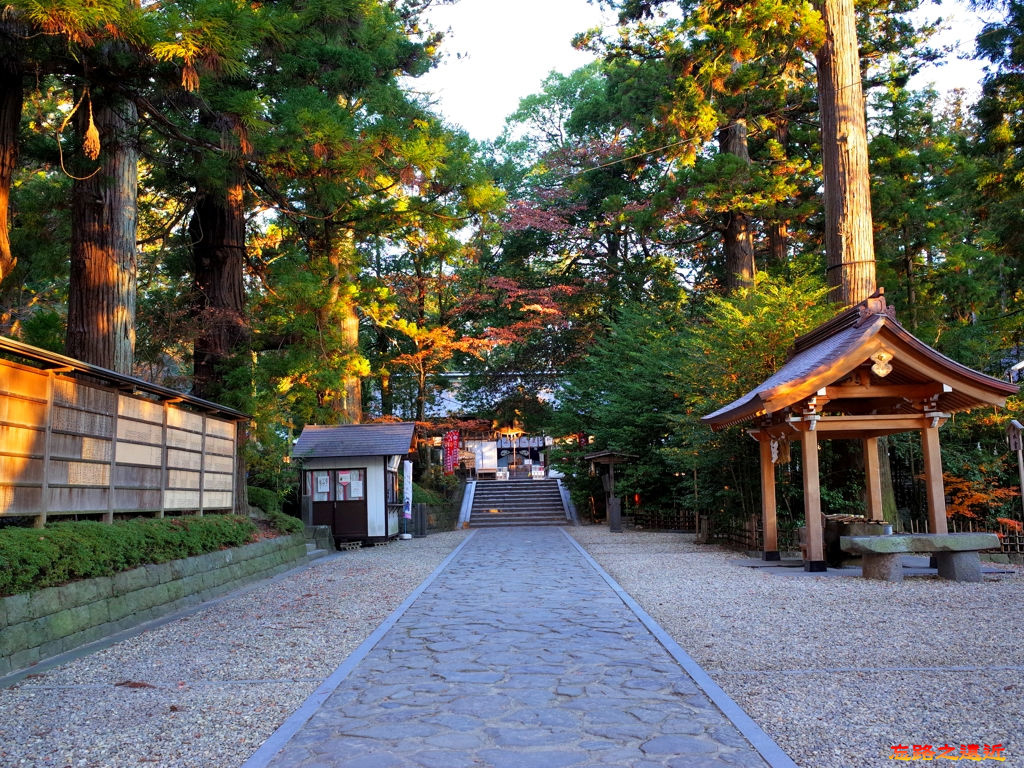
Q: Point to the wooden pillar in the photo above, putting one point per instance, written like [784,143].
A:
[873,478]
[768,509]
[933,480]
[812,501]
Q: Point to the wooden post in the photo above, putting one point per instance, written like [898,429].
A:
[815,561]
[768,509]
[933,480]
[873,478]
[44,503]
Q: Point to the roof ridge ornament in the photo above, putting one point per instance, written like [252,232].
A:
[875,305]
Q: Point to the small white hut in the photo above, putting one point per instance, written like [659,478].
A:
[350,478]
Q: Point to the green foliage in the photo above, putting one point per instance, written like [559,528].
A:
[271,504]
[643,389]
[32,558]
[423,495]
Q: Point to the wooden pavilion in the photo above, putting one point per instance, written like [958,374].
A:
[859,376]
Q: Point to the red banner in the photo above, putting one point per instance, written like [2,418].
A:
[450,448]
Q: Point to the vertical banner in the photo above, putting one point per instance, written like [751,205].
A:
[407,490]
[451,451]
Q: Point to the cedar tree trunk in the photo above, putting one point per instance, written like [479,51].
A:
[738,238]
[217,230]
[848,237]
[340,311]
[11,100]
[101,301]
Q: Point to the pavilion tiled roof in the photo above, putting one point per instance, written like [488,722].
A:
[389,439]
[832,351]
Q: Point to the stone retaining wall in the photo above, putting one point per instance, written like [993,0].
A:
[37,625]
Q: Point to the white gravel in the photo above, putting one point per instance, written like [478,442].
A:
[837,669]
[208,689]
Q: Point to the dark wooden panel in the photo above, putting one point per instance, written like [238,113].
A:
[138,477]
[20,501]
[19,469]
[132,500]
[78,499]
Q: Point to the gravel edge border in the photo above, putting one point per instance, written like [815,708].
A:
[751,731]
[279,738]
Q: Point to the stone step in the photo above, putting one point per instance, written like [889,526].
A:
[517,506]
[494,521]
[517,503]
[313,552]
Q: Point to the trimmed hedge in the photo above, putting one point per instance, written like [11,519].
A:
[270,503]
[33,558]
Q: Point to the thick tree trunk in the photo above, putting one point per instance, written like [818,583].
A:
[217,230]
[738,237]
[778,231]
[11,100]
[848,236]
[101,301]
[340,311]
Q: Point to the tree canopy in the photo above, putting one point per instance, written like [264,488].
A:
[253,202]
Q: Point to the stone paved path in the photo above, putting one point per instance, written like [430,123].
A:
[517,654]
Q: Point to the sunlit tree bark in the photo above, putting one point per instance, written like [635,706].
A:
[101,304]
[848,236]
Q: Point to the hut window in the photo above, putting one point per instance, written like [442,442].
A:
[351,484]
[322,486]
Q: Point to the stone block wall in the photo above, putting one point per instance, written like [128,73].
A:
[37,625]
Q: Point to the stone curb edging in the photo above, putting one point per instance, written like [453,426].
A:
[279,738]
[48,622]
[751,731]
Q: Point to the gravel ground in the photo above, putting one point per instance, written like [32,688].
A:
[207,689]
[837,670]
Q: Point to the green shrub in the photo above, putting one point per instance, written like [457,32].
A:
[33,558]
[285,524]
[270,503]
[266,500]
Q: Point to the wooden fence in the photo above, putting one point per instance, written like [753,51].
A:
[103,445]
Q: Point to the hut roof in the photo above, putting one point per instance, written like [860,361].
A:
[394,439]
[831,355]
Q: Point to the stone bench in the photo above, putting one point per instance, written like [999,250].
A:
[956,554]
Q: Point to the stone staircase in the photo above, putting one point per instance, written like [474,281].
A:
[517,502]
[319,541]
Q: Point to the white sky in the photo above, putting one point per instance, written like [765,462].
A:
[497,52]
